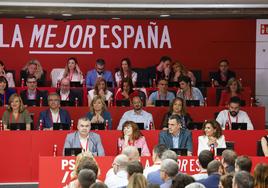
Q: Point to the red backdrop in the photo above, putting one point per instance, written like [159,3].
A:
[198,44]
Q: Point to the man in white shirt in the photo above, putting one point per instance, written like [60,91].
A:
[120,178]
[137,115]
[234,115]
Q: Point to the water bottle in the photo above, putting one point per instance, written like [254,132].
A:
[212,149]
[55,150]
[212,83]
[76,102]
[72,125]
[106,125]
[40,124]
[22,82]
[1,125]
[227,127]
[41,102]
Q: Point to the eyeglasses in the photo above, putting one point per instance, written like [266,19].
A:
[53,100]
[31,82]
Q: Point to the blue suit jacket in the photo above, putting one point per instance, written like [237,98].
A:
[45,116]
[212,181]
[94,143]
[185,139]
[92,76]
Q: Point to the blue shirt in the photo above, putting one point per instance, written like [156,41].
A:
[155,96]
[6,96]
[175,140]
[92,76]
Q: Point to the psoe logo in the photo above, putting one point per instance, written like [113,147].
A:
[264,29]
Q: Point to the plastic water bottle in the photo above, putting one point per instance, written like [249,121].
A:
[55,148]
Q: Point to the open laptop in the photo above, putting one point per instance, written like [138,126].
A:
[76,84]
[192,103]
[72,151]
[180,151]
[141,126]
[195,125]
[161,102]
[17,126]
[220,150]
[122,103]
[61,126]
[173,84]
[66,103]
[239,126]
[97,126]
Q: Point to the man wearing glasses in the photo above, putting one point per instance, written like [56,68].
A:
[54,114]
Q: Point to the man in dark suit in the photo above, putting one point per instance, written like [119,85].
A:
[175,136]
[54,114]
[68,96]
[32,96]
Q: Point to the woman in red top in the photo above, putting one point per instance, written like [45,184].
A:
[126,92]
[234,88]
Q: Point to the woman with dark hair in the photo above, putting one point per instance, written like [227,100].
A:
[126,92]
[131,136]
[16,113]
[5,92]
[177,107]
[226,181]
[261,175]
[234,88]
[72,71]
[100,89]
[125,72]
[7,75]
[181,180]
[212,136]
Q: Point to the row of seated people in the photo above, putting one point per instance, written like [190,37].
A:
[231,118]
[165,69]
[160,96]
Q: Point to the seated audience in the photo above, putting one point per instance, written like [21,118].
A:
[187,92]
[98,112]
[5,91]
[137,180]
[163,68]
[85,139]
[168,170]
[226,181]
[120,176]
[221,77]
[181,180]
[99,71]
[54,114]
[125,71]
[72,71]
[137,115]
[162,93]
[177,107]
[261,175]
[100,89]
[175,136]
[86,178]
[179,70]
[134,167]
[234,115]
[131,136]
[16,113]
[34,68]
[69,95]
[8,75]
[243,179]
[158,151]
[234,88]
[204,158]
[264,145]
[212,137]
[32,96]
[228,160]
[126,92]
[244,163]
[215,171]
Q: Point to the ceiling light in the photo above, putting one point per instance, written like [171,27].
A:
[164,15]
[115,18]
[29,17]
[66,14]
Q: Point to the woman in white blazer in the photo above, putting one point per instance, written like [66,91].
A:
[212,136]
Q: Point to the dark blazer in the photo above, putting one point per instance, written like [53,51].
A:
[217,76]
[41,82]
[45,116]
[212,181]
[5,97]
[23,95]
[185,139]
[72,96]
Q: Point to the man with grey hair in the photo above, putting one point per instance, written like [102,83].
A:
[84,139]
[168,170]
[175,136]
[243,179]
[86,178]
[155,177]
[120,177]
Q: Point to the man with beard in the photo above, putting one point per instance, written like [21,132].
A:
[137,115]
[234,115]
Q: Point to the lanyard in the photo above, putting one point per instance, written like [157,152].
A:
[84,149]
[58,117]
[229,118]
[16,119]
[67,98]
[27,94]
[159,96]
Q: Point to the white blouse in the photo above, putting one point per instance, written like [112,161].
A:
[118,77]
[108,95]
[203,143]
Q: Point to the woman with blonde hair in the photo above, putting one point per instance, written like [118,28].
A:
[16,113]
[72,71]
[34,68]
[178,69]
[137,180]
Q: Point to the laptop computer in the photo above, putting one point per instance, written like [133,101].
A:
[220,150]
[72,151]
[61,126]
[97,126]
[32,102]
[66,103]
[173,84]
[17,126]
[180,151]
[239,126]
[195,125]
[141,126]
[76,84]
[122,103]
[109,84]
[192,103]
[162,103]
